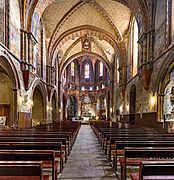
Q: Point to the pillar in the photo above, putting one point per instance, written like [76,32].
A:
[15,110]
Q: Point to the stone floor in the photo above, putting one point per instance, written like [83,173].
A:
[87,160]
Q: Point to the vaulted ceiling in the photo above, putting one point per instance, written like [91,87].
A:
[105,22]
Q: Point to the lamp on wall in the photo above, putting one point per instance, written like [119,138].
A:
[121,109]
[25,101]
[127,107]
[49,108]
[30,102]
[21,99]
[105,101]
[152,101]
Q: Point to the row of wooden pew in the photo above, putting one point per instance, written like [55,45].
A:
[27,153]
[127,146]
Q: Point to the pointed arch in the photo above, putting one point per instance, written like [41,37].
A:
[7,63]
[39,94]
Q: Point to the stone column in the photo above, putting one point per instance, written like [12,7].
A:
[79,106]
[145,49]
[48,74]
[160,102]
[22,45]
[25,52]
[59,117]
[148,46]
[29,48]
[141,53]
[15,109]
[6,23]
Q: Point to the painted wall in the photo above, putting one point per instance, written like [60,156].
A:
[38,107]
[35,29]
[6,86]
[160,27]
[14,28]
[35,24]
[6,93]
[2,21]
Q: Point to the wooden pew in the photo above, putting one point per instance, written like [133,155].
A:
[129,137]
[48,133]
[120,145]
[161,170]
[111,143]
[22,138]
[116,133]
[61,126]
[133,156]
[107,135]
[106,131]
[15,170]
[56,146]
[66,130]
[38,135]
[111,146]
[47,157]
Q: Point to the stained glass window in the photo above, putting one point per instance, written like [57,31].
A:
[134,48]
[101,69]
[72,69]
[117,71]
[86,99]
[87,71]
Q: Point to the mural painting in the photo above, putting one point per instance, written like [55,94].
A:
[35,24]
[14,39]
[2,21]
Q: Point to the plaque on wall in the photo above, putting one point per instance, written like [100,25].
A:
[2,120]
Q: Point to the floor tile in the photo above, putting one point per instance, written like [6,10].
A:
[87,159]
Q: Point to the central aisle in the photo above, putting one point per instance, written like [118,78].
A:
[87,160]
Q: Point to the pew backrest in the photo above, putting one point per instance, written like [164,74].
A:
[9,169]
[146,153]
[156,169]
[29,155]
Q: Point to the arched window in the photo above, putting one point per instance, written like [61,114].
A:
[170,23]
[134,47]
[117,71]
[72,68]
[87,71]
[101,69]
